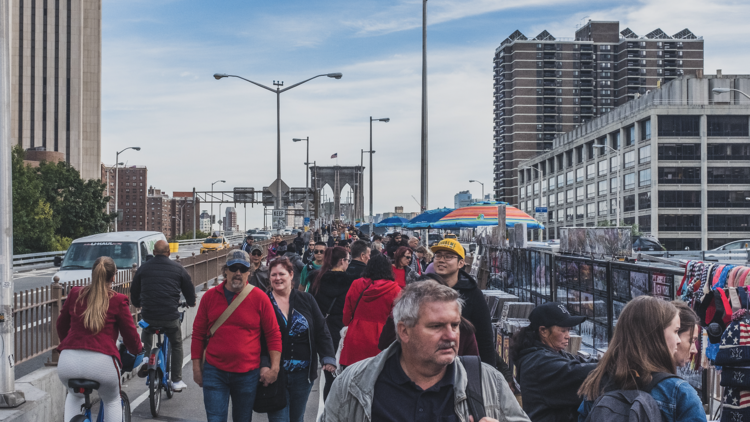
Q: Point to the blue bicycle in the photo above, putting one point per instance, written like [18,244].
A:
[159,365]
[85,387]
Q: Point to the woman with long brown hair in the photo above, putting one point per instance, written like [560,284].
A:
[401,265]
[89,324]
[643,346]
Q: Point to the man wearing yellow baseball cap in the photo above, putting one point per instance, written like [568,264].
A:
[448,263]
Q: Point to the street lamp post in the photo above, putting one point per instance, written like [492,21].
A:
[109,189]
[278,91]
[424,181]
[384,120]
[117,183]
[619,180]
[212,202]
[727,90]
[477,181]
[307,174]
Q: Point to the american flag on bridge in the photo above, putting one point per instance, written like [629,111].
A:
[336,155]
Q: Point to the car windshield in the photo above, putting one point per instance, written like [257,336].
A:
[82,255]
[213,240]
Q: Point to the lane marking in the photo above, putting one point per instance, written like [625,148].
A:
[143,397]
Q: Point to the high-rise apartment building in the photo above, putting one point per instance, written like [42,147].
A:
[56,80]
[159,216]
[184,212]
[132,194]
[462,199]
[230,219]
[547,86]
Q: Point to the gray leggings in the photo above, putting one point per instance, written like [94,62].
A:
[94,366]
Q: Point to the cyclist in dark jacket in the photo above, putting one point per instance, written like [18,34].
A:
[156,290]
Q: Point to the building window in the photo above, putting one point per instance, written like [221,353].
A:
[729,151]
[727,125]
[536,188]
[644,154]
[728,199]
[579,212]
[680,223]
[646,130]
[591,210]
[602,187]
[718,175]
[630,136]
[644,201]
[602,168]
[615,140]
[680,151]
[560,215]
[738,223]
[613,206]
[569,214]
[560,198]
[569,176]
[629,159]
[614,163]
[644,177]
[613,185]
[590,190]
[560,181]
[602,207]
[686,199]
[551,200]
[590,171]
[629,181]
[579,175]
[679,125]
[644,222]
[569,195]
[628,203]
[580,195]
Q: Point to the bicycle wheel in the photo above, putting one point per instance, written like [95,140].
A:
[125,407]
[154,391]
[168,386]
[80,418]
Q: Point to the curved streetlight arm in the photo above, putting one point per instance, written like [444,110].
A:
[252,82]
[135,148]
[300,83]
[727,90]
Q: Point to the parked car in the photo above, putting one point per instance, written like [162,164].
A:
[214,244]
[734,246]
[647,243]
[125,248]
[262,235]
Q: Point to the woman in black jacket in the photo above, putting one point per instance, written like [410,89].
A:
[304,337]
[330,288]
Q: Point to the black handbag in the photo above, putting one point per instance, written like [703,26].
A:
[273,397]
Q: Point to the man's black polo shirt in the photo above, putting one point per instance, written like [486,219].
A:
[398,399]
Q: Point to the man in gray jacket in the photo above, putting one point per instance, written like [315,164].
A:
[418,378]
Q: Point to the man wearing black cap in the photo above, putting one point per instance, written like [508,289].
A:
[550,377]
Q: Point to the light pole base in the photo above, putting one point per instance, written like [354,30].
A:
[12,399]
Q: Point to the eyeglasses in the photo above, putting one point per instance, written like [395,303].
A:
[445,257]
[257,253]
[319,252]
[238,267]
[407,257]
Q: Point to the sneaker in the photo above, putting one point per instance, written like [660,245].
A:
[143,371]
[179,386]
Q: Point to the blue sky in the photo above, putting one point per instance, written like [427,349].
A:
[158,92]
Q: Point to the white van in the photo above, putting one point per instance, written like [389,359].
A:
[125,248]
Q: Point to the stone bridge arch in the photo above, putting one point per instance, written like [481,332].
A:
[337,177]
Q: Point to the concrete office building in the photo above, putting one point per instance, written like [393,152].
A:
[685,174]
[547,86]
[56,81]
[205,222]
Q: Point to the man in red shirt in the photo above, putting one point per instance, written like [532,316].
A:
[232,354]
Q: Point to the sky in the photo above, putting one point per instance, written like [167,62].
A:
[158,58]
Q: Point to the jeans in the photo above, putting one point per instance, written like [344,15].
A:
[173,331]
[219,386]
[297,392]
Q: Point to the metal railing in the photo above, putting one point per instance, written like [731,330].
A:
[35,260]
[35,311]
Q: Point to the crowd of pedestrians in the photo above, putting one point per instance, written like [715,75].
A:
[401,333]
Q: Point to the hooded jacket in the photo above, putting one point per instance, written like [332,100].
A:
[351,396]
[331,296]
[476,311]
[366,318]
[550,381]
[356,268]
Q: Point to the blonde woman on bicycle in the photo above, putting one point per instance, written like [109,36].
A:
[88,327]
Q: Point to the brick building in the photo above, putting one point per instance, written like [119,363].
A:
[159,215]
[132,195]
[230,220]
[184,212]
[547,86]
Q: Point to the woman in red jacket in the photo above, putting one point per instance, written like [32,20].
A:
[401,265]
[368,304]
[88,327]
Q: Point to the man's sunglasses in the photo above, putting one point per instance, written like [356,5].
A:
[239,267]
[257,253]
[319,252]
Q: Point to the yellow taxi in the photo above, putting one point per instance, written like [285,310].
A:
[214,244]
[450,236]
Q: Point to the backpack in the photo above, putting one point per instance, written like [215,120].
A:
[475,400]
[629,405]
